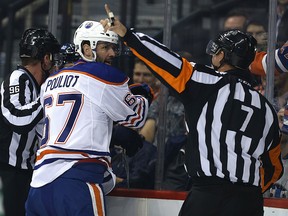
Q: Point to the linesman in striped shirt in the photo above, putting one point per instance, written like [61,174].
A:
[20,112]
[233,151]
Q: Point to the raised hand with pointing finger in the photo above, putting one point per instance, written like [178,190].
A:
[117,26]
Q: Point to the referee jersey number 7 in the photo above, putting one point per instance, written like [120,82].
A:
[233,130]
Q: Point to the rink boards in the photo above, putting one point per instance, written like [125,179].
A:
[133,202]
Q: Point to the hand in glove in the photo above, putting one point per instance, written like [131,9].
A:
[127,138]
[144,90]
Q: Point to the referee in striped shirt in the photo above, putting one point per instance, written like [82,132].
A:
[20,113]
[233,151]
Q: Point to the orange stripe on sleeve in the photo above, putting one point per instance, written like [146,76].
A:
[179,82]
[256,66]
[274,155]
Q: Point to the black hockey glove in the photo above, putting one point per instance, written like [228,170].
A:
[143,90]
[127,138]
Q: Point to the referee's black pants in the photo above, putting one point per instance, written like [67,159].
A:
[211,196]
[15,188]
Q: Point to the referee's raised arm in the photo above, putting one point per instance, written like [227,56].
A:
[233,150]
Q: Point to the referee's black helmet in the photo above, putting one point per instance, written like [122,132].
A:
[36,43]
[239,48]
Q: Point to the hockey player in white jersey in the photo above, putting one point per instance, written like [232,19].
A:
[73,168]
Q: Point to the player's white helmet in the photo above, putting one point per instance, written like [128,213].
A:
[93,32]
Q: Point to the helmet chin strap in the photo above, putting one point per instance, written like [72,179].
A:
[217,67]
[222,62]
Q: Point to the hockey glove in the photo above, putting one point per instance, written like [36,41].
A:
[127,138]
[143,90]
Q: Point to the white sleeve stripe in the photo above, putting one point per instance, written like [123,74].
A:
[157,50]
[279,62]
[264,64]
[20,121]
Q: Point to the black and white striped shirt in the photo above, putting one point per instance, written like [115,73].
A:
[20,112]
[233,130]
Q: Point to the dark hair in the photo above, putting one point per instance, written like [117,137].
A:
[138,61]
[185,54]
[238,13]
[256,22]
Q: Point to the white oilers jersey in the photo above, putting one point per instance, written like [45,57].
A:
[80,105]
